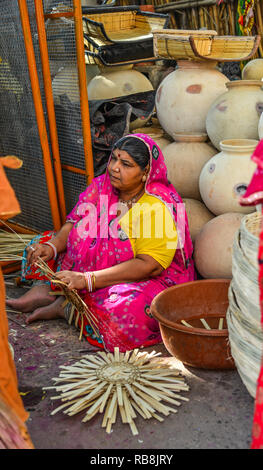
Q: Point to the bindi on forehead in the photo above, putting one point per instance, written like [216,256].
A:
[117,153]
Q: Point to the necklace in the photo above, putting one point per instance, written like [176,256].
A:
[132,200]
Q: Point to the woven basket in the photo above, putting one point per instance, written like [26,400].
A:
[246,346]
[114,36]
[203,45]
[249,236]
[244,313]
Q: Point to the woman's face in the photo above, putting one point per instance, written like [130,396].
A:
[125,174]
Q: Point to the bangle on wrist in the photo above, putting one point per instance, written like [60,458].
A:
[55,253]
[89,281]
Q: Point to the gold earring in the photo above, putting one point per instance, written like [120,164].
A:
[144,178]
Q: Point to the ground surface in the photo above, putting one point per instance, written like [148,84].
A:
[218,415]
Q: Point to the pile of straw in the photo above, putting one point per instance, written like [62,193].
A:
[12,245]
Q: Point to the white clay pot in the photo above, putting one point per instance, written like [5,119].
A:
[121,83]
[185,159]
[213,246]
[253,70]
[184,96]
[235,114]
[156,133]
[225,177]
[66,81]
[260,127]
[198,215]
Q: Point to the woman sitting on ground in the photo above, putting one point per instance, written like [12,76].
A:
[104,252]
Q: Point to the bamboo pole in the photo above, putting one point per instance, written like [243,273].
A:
[184,4]
[43,136]
[84,102]
[50,105]
[260,27]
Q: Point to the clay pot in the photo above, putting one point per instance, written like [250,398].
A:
[184,96]
[185,159]
[253,70]
[260,127]
[235,114]
[156,133]
[213,246]
[195,346]
[121,83]
[225,177]
[66,81]
[198,215]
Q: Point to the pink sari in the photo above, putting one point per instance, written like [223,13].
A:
[123,310]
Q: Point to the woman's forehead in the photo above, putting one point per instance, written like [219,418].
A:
[122,154]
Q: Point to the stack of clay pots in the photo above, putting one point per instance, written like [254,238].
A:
[182,101]
[209,161]
[223,179]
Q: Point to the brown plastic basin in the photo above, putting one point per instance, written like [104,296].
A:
[195,346]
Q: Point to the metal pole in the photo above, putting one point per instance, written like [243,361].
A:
[84,102]
[43,136]
[50,105]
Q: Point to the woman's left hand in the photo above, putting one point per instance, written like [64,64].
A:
[74,280]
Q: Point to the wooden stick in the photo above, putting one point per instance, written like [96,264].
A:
[203,321]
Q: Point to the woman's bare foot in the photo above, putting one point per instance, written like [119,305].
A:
[36,297]
[49,312]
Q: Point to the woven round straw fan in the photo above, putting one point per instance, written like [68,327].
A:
[130,383]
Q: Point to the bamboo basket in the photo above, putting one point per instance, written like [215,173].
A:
[112,35]
[249,235]
[245,282]
[246,347]
[244,313]
[115,36]
[200,45]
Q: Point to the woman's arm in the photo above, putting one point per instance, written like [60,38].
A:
[61,238]
[138,269]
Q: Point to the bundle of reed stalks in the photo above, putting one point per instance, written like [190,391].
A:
[12,245]
[71,297]
[129,383]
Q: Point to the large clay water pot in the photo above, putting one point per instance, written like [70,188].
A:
[66,81]
[253,70]
[198,215]
[260,127]
[121,83]
[235,114]
[225,177]
[156,133]
[185,159]
[213,246]
[184,96]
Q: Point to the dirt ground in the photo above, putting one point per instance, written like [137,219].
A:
[218,415]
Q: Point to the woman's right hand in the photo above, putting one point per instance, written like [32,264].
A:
[39,250]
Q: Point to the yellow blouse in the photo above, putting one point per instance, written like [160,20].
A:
[151,229]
